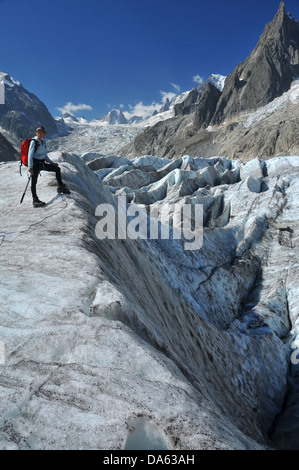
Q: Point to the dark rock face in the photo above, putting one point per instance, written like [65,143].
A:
[23,111]
[206,106]
[164,108]
[7,151]
[188,105]
[266,73]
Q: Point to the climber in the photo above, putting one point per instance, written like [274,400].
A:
[38,160]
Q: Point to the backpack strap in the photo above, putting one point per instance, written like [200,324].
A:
[36,145]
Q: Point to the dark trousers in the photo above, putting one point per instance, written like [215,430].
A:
[40,165]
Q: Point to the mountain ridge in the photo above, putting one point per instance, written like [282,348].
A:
[22,111]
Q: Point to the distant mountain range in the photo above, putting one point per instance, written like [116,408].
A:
[116,116]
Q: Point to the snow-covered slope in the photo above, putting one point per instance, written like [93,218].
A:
[217,80]
[282,102]
[95,136]
[102,337]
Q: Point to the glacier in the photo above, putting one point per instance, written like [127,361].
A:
[106,339]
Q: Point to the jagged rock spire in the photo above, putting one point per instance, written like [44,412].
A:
[267,72]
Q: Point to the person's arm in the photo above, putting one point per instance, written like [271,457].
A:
[31,153]
[47,158]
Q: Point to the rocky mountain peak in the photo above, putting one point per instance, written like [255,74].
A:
[116,116]
[283,28]
[267,72]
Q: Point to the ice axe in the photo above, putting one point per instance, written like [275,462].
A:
[29,178]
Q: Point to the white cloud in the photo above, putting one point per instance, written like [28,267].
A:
[198,79]
[170,95]
[73,108]
[142,110]
[176,87]
[146,111]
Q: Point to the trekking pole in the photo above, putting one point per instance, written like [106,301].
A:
[29,178]
[21,155]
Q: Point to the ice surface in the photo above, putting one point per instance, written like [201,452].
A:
[105,336]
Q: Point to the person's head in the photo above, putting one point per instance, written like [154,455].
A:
[40,132]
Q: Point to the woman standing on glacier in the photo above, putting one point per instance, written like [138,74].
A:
[38,160]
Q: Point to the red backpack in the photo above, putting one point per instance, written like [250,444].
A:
[24,151]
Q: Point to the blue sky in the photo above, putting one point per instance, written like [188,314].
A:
[118,53]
